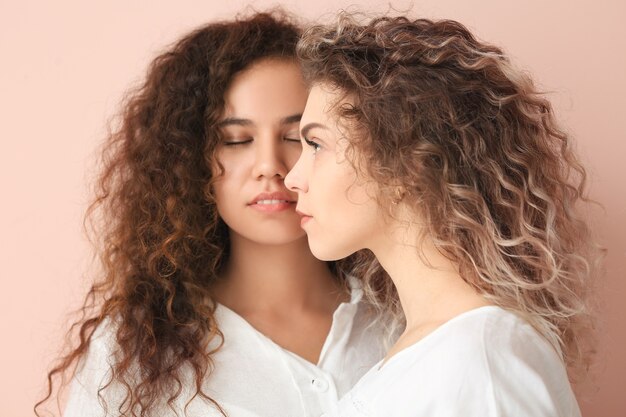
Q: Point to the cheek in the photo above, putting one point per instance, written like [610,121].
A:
[221,193]
[345,187]
[350,205]
[292,155]
[229,183]
[333,197]
[234,166]
[226,160]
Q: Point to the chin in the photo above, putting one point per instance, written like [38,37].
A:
[278,237]
[326,252]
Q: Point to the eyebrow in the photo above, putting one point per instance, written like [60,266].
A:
[236,121]
[308,127]
[294,118]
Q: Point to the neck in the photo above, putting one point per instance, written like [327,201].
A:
[430,287]
[262,277]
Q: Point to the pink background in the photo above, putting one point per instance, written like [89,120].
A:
[66,64]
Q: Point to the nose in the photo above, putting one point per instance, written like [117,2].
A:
[295,179]
[269,159]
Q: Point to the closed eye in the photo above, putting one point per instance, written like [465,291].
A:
[292,135]
[234,142]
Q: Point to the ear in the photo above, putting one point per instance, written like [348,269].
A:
[398,194]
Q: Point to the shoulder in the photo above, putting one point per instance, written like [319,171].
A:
[525,371]
[492,338]
[101,350]
[487,362]
[494,354]
[94,371]
[503,345]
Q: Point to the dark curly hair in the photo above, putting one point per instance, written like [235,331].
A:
[451,121]
[162,241]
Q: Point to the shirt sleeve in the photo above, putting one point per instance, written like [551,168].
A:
[528,378]
[86,397]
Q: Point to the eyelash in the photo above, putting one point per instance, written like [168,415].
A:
[316,146]
[237,142]
[246,141]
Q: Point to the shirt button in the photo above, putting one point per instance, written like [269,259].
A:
[320,385]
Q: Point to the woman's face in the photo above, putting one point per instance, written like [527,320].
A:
[340,214]
[263,107]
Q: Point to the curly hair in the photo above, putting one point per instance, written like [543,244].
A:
[476,148]
[162,241]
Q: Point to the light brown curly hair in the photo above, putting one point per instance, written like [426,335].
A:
[162,241]
[478,152]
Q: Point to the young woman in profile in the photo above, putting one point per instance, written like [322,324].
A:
[211,301]
[425,146]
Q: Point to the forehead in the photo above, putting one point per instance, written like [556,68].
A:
[322,103]
[267,89]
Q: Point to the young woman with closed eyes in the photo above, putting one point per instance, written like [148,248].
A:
[427,148]
[211,302]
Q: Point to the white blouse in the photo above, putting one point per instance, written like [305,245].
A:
[253,376]
[487,362]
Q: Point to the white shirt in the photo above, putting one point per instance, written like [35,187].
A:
[253,376]
[487,362]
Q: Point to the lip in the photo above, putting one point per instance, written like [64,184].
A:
[304,218]
[301,213]
[283,201]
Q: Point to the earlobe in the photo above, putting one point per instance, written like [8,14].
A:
[398,195]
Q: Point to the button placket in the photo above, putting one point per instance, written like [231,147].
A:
[319,384]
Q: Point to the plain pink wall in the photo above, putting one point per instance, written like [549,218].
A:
[65,65]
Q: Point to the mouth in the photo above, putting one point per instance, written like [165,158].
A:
[272,202]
